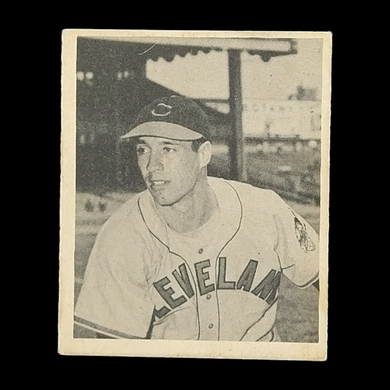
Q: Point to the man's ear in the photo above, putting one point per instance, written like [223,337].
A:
[205,154]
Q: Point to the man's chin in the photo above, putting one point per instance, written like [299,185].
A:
[161,200]
[164,203]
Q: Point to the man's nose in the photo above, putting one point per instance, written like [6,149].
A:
[155,162]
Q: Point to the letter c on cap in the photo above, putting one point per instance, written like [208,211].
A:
[163,109]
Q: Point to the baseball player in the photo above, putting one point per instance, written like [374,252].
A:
[192,257]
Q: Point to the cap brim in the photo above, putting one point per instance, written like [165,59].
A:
[163,130]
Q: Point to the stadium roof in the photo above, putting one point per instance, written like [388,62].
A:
[169,47]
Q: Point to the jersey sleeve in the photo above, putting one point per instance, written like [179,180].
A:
[114,299]
[297,245]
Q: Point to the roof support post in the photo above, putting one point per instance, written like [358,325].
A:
[236,139]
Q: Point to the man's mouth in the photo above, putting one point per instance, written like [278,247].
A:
[157,184]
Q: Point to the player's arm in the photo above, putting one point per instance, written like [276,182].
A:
[100,335]
[92,328]
[86,333]
[103,336]
[115,300]
[297,246]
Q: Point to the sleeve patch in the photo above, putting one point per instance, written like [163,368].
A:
[305,242]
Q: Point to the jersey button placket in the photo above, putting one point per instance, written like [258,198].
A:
[208,308]
[210,317]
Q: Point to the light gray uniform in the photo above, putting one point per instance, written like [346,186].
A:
[220,282]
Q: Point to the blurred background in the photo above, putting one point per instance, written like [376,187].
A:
[263,98]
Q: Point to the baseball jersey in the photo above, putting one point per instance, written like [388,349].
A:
[220,282]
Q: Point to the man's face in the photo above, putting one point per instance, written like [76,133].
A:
[170,168]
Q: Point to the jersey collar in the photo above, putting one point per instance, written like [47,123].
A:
[229,204]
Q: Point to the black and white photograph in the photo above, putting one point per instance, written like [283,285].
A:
[195,194]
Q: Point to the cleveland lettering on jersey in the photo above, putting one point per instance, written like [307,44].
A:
[202,276]
[266,290]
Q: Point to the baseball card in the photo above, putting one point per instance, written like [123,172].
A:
[194,211]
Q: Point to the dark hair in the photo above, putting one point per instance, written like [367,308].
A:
[196,143]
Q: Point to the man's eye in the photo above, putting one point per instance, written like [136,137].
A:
[141,150]
[169,150]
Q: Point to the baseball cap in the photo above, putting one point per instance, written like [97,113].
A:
[174,117]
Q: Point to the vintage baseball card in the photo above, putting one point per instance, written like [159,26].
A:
[194,211]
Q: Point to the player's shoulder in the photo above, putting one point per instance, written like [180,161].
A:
[256,197]
[123,240]
[128,208]
[124,221]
